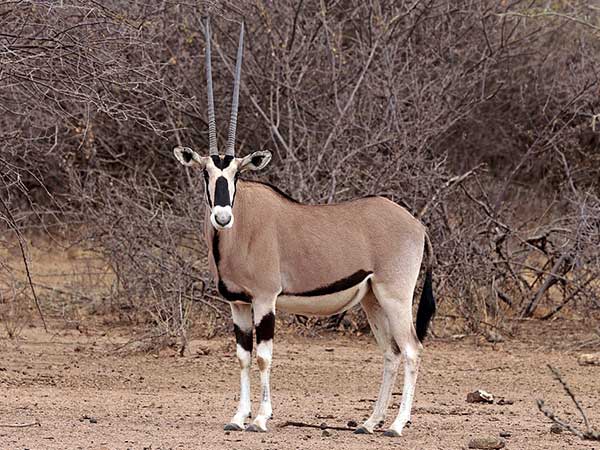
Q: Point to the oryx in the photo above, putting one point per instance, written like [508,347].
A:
[268,252]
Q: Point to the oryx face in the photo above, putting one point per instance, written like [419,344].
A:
[220,176]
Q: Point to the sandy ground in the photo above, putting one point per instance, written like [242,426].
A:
[86,396]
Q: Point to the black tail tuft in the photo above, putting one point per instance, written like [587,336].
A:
[426,307]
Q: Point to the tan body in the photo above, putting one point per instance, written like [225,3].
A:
[302,248]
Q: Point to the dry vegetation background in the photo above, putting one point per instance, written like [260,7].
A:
[480,116]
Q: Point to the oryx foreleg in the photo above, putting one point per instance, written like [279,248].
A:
[264,322]
[242,324]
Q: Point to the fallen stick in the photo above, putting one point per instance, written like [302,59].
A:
[323,426]
[20,425]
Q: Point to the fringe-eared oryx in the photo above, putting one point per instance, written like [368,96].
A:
[269,252]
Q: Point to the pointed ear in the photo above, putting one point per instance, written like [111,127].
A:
[255,161]
[188,157]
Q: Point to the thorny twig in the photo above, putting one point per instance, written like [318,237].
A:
[589,433]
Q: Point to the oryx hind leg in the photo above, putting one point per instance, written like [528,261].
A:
[242,324]
[391,359]
[396,301]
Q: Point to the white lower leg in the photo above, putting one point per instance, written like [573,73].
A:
[264,322]
[242,320]
[411,369]
[264,354]
[390,370]
[244,406]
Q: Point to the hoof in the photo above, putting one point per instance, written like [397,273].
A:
[391,433]
[232,427]
[362,430]
[255,429]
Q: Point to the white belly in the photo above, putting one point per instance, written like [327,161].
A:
[324,305]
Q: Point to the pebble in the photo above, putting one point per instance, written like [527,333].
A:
[480,396]
[352,424]
[589,359]
[486,443]
[326,433]
[556,428]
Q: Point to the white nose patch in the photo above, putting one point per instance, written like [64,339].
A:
[221,217]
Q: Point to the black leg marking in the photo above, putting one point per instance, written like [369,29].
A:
[266,328]
[243,338]
[233,296]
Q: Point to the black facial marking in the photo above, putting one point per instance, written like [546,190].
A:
[221,163]
[337,286]
[232,296]
[222,192]
[395,347]
[266,328]
[206,187]
[243,338]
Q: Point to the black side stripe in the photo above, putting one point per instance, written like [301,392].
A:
[266,328]
[336,286]
[243,338]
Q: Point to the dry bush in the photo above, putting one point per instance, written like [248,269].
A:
[476,115]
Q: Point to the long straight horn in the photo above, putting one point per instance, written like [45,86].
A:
[212,126]
[236,96]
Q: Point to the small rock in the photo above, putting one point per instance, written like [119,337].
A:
[556,428]
[480,396]
[323,426]
[352,424]
[330,349]
[494,337]
[589,359]
[326,433]
[486,443]
[202,351]
[93,420]
[504,401]
[505,434]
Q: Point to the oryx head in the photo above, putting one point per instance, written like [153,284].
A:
[221,171]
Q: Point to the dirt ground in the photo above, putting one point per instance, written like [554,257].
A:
[87,396]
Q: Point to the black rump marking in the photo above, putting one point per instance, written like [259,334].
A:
[337,286]
[221,163]
[243,338]
[266,328]
[222,192]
